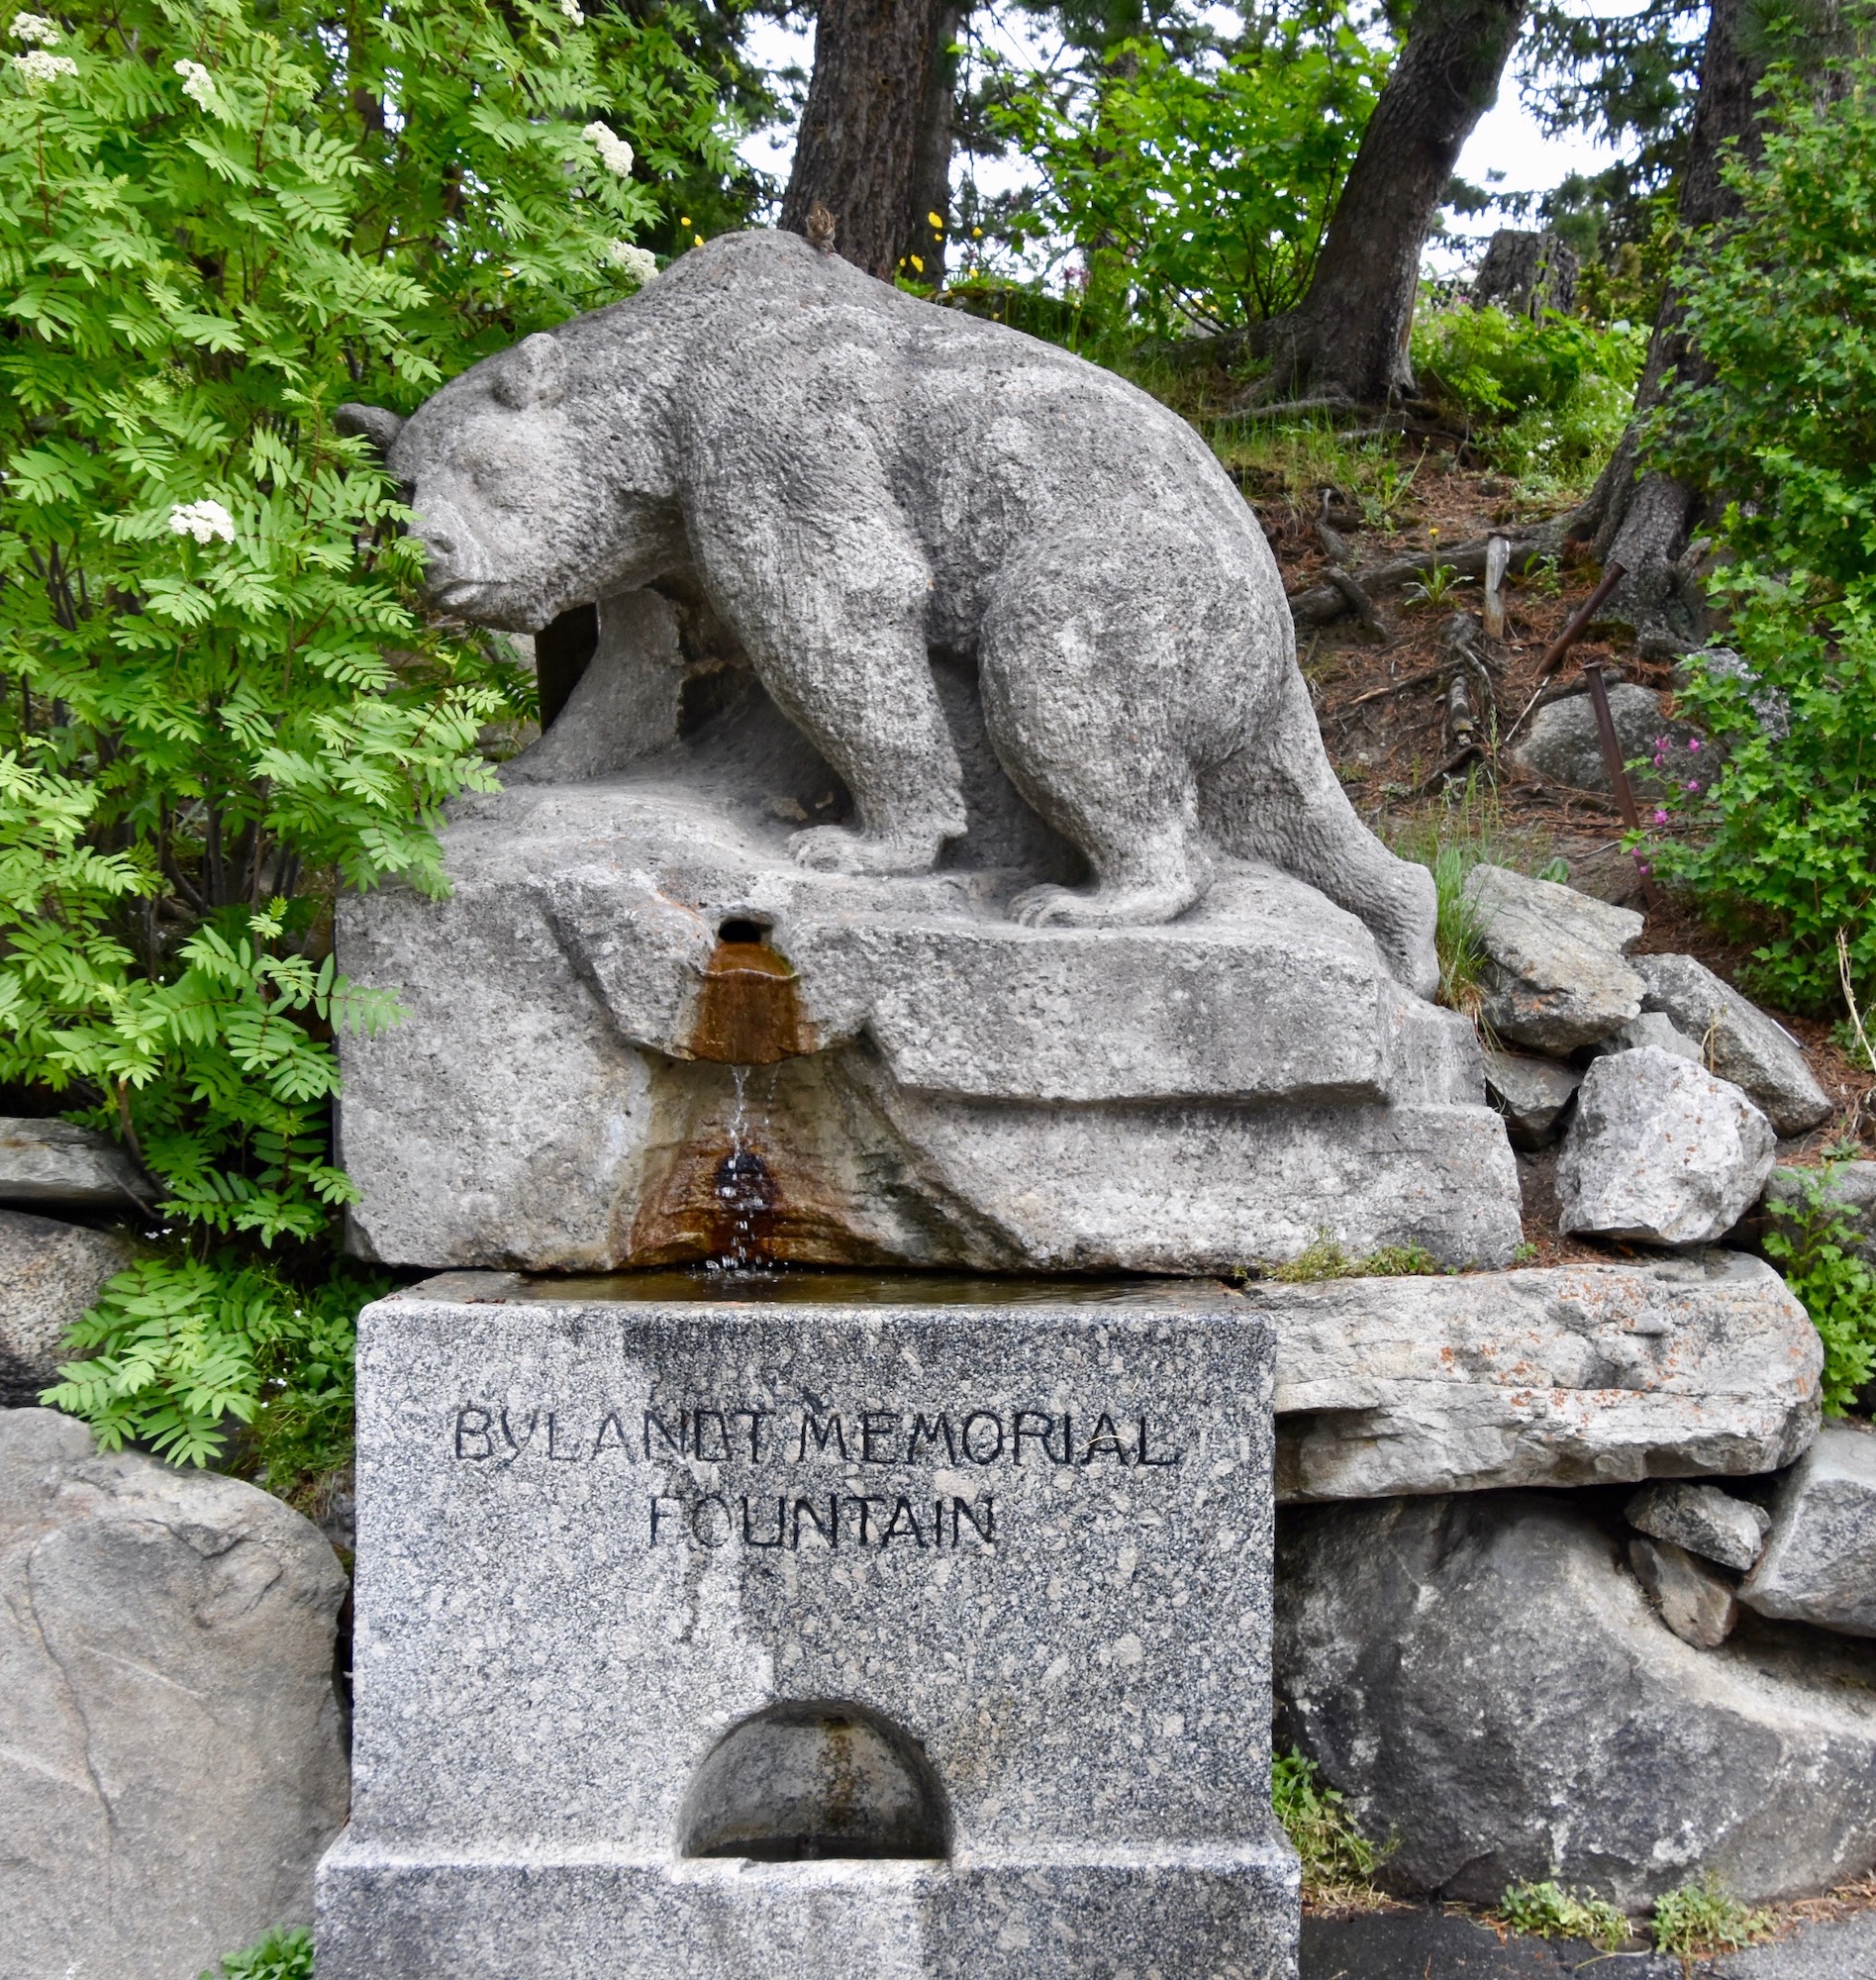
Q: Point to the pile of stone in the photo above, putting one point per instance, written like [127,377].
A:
[1669,1089]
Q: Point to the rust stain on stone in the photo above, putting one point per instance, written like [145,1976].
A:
[748,1009]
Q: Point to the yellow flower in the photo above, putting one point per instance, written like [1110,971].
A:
[917,266]
[976,233]
[697,239]
[937,221]
[683,220]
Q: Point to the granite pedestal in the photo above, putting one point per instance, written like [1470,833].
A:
[831,1627]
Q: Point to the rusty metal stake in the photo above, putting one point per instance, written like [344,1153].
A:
[1553,653]
[1619,774]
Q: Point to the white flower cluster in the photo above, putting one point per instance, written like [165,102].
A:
[36,28]
[203,520]
[571,9]
[40,69]
[197,84]
[614,153]
[637,261]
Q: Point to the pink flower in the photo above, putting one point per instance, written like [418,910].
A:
[1660,817]
[1692,785]
[1693,743]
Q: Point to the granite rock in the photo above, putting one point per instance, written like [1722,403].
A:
[1820,1560]
[991,495]
[1770,706]
[54,1165]
[1736,1039]
[1697,1604]
[1660,1152]
[925,1081]
[1570,1375]
[1703,1520]
[1650,1029]
[1555,975]
[1484,1679]
[1531,1094]
[626,1561]
[172,1756]
[1565,746]
[50,1273]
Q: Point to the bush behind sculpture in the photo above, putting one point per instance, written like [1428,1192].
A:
[217,222]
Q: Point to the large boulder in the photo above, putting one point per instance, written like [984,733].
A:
[1564,745]
[53,1163]
[1660,1152]
[1531,1094]
[49,1274]
[1486,1681]
[172,1754]
[1738,1040]
[1555,975]
[1573,1375]
[1819,1559]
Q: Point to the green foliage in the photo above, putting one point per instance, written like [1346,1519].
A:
[220,701]
[1437,587]
[1338,1860]
[1812,1240]
[1781,308]
[281,1956]
[1197,188]
[1325,1259]
[1702,1917]
[1462,831]
[1552,397]
[1551,1912]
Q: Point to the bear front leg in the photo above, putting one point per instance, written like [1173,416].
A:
[837,638]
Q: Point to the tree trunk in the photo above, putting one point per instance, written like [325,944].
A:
[931,161]
[1347,337]
[857,154]
[1646,523]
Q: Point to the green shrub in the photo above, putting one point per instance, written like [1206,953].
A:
[281,1956]
[1784,421]
[1550,398]
[1338,1860]
[1812,1242]
[1702,1917]
[219,700]
[1550,1912]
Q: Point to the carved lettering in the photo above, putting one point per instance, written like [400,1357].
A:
[985,1527]
[926,1431]
[1104,1440]
[1154,1462]
[903,1521]
[879,1427]
[751,1538]
[610,1421]
[1018,1430]
[674,1441]
[467,1432]
[977,1454]
[830,1533]
[701,1527]
[821,1432]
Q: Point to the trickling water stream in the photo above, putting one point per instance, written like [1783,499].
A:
[745,1192]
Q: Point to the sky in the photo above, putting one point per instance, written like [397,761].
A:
[1507,141]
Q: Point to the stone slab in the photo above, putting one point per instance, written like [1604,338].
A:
[1820,1560]
[54,1164]
[1554,975]
[1737,1040]
[1034,1534]
[51,1274]
[1703,1518]
[1567,1375]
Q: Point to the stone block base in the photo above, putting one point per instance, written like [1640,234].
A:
[1223,1913]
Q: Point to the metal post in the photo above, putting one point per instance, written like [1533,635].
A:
[1618,772]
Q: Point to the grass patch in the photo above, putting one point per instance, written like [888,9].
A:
[1325,1259]
[1551,1912]
[281,1956]
[1339,1861]
[1705,1918]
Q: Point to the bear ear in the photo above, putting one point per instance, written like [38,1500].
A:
[376,423]
[534,373]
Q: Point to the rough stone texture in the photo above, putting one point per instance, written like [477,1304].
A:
[1738,1040]
[1650,1029]
[1819,1559]
[1697,1604]
[565,1599]
[1482,1676]
[1853,1187]
[1661,1151]
[172,1759]
[53,1163]
[49,1274]
[990,495]
[1554,975]
[1565,746]
[1531,1094]
[957,1090]
[1572,1375]
[1771,706]
[1703,1520]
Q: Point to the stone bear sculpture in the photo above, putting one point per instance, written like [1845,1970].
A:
[852,478]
